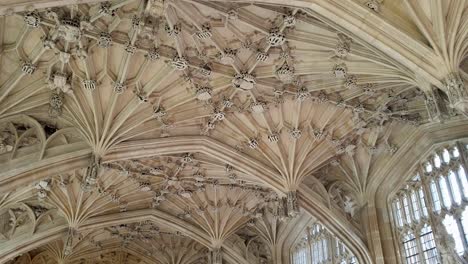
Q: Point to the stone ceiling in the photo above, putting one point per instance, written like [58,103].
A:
[199,121]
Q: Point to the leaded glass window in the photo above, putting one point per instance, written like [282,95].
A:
[430,212]
[319,246]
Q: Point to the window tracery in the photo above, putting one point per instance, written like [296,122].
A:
[317,245]
[430,213]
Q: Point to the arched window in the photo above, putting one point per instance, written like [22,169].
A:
[430,212]
[318,246]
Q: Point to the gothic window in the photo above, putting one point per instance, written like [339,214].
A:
[430,212]
[319,246]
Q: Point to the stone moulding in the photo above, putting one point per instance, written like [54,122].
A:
[147,148]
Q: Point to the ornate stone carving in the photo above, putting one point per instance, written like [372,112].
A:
[343,47]
[457,94]
[159,112]
[91,174]
[205,32]
[295,133]
[69,29]
[173,31]
[258,107]
[285,74]
[55,103]
[32,19]
[119,87]
[105,9]
[89,84]
[374,5]
[61,82]
[289,20]
[261,56]
[153,54]
[244,81]
[43,188]
[28,68]
[104,40]
[302,94]
[350,82]
[129,48]
[203,93]
[252,143]
[275,38]
[340,70]
[179,63]
[228,56]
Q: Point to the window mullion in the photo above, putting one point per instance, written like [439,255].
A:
[458,217]
[410,205]
[426,188]
[419,245]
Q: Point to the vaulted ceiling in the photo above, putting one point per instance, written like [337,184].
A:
[147,131]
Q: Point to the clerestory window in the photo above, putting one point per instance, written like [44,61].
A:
[319,246]
[430,213]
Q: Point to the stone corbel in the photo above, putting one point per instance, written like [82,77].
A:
[457,93]
[436,106]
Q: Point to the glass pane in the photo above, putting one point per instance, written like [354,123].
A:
[445,192]
[454,187]
[411,251]
[423,202]
[407,210]
[428,167]
[452,228]
[464,181]
[428,245]
[446,156]
[455,152]
[464,221]
[415,203]
[437,161]
[435,197]
[399,218]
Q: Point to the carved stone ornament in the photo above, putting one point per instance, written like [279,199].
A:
[340,70]
[153,54]
[104,40]
[302,94]
[204,93]
[205,32]
[457,94]
[228,56]
[343,47]
[258,107]
[55,104]
[69,29]
[179,63]
[89,84]
[105,9]
[374,5]
[244,81]
[350,82]
[28,68]
[285,74]
[119,88]
[32,19]
[261,56]
[295,133]
[276,38]
[91,174]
